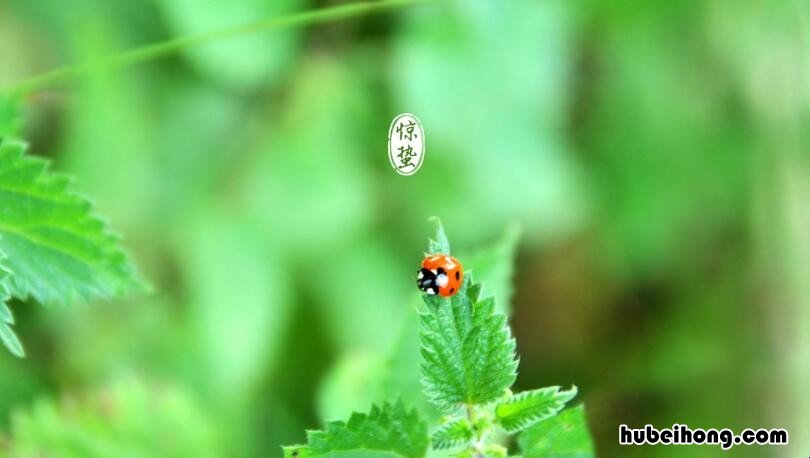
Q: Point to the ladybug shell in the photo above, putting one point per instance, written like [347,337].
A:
[440,274]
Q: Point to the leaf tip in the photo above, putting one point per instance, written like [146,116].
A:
[440,243]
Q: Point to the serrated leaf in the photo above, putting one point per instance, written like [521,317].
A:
[7,335]
[561,436]
[494,266]
[468,353]
[440,244]
[388,432]
[452,434]
[523,410]
[57,252]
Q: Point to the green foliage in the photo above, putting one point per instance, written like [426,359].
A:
[462,46]
[439,244]
[242,62]
[523,410]
[469,361]
[391,431]
[54,250]
[493,264]
[468,364]
[452,434]
[385,370]
[9,116]
[653,172]
[467,349]
[127,418]
[7,335]
[561,436]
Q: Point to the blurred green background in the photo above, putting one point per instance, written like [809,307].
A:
[654,155]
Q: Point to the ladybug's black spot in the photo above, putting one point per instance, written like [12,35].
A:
[426,281]
[458,275]
[452,290]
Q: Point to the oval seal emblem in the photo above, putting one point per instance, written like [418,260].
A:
[406,144]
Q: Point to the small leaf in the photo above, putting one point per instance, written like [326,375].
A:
[452,434]
[439,245]
[390,431]
[56,250]
[561,436]
[468,353]
[494,265]
[7,334]
[523,410]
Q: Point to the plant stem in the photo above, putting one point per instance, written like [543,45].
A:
[164,48]
[476,435]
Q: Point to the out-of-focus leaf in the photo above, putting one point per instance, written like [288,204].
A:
[238,302]
[109,142]
[388,432]
[494,265]
[141,332]
[244,62]
[662,198]
[351,383]
[9,117]
[307,184]
[55,249]
[387,373]
[491,116]
[129,418]
[562,436]
[194,168]
[360,292]
[438,244]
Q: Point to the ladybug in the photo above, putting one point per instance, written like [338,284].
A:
[440,274]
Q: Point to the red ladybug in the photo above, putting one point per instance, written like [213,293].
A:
[440,274]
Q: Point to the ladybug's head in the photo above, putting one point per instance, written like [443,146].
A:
[430,281]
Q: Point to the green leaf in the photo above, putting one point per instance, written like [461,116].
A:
[128,418]
[494,266]
[7,334]
[340,191]
[562,436]
[237,335]
[387,432]
[57,252]
[9,116]
[452,434]
[467,46]
[440,244]
[468,353]
[523,410]
[244,62]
